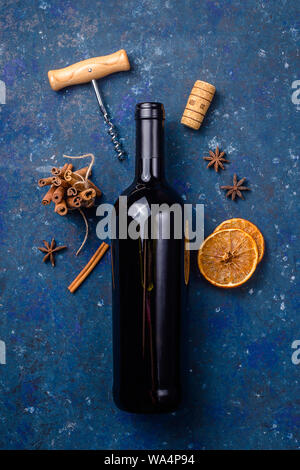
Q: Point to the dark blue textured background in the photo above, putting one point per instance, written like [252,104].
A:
[243,389]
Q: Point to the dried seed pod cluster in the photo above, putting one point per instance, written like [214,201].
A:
[69,190]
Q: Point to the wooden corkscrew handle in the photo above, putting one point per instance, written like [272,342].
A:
[88,70]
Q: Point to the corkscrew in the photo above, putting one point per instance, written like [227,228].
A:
[111,128]
[90,70]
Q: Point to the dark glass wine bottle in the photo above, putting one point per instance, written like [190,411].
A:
[148,281]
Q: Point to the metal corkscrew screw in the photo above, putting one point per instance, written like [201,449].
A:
[114,137]
[90,70]
[111,128]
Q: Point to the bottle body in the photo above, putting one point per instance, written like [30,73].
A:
[148,289]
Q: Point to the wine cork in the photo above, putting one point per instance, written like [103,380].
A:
[197,105]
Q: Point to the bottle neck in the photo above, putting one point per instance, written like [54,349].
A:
[149,165]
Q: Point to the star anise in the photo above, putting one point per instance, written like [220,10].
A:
[236,189]
[215,159]
[50,250]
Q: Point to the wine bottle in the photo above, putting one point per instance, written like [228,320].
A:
[148,279]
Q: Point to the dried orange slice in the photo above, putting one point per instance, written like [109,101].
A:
[228,258]
[248,227]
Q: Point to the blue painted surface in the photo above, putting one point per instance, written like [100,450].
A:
[242,390]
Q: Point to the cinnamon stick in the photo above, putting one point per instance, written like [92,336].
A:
[89,267]
[92,185]
[58,194]
[88,194]
[72,191]
[68,175]
[45,181]
[61,208]
[58,181]
[88,184]
[48,196]
[60,171]
[82,171]
[55,171]
[75,180]
[63,170]
[74,202]
[72,177]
